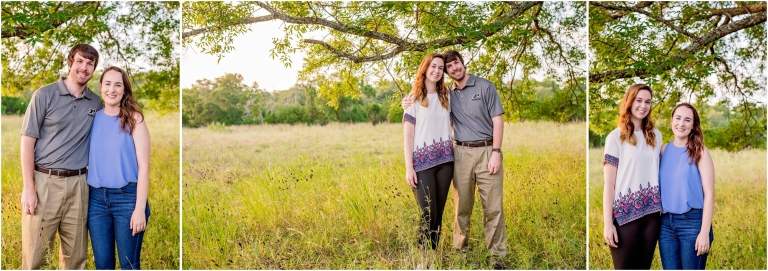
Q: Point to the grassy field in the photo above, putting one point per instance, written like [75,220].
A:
[160,249]
[335,197]
[739,214]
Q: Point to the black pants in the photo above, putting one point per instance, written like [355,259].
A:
[431,193]
[637,242]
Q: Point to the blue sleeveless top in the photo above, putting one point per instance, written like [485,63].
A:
[112,157]
[679,181]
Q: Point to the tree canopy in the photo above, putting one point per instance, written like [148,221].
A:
[350,44]
[137,36]
[711,54]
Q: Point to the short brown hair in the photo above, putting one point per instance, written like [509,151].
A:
[452,55]
[86,51]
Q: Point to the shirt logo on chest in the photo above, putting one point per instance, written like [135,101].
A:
[476,97]
[91,112]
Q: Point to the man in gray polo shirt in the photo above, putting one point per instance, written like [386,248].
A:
[478,128]
[54,155]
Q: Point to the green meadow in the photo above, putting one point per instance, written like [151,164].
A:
[738,220]
[335,197]
[160,249]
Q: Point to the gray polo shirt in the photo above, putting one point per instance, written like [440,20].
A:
[473,108]
[61,123]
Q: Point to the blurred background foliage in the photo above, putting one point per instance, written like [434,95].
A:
[139,37]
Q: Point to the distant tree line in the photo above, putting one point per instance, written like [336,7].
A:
[722,125]
[156,91]
[229,101]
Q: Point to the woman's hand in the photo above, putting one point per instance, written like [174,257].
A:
[410,177]
[138,222]
[702,244]
[610,236]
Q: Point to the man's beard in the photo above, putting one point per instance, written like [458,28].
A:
[75,79]
[459,79]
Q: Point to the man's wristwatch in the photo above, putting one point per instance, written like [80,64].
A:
[496,150]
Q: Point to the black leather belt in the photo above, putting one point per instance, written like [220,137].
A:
[479,143]
[61,172]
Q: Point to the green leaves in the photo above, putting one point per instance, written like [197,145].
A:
[223,19]
[659,44]
[353,44]
[225,100]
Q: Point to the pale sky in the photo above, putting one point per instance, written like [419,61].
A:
[249,58]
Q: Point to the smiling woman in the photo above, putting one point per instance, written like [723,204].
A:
[631,198]
[428,148]
[119,175]
[686,228]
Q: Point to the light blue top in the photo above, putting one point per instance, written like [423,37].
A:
[680,182]
[112,158]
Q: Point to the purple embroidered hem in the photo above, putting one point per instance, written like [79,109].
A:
[435,154]
[634,205]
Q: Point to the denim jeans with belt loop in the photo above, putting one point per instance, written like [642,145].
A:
[677,241]
[109,218]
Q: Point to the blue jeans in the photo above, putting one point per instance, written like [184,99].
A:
[109,218]
[677,241]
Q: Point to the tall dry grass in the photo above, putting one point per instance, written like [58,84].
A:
[739,213]
[334,197]
[160,249]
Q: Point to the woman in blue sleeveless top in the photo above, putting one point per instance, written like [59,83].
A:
[118,175]
[687,182]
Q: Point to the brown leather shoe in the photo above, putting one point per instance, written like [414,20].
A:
[499,265]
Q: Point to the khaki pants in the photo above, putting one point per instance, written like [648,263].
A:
[470,170]
[62,204]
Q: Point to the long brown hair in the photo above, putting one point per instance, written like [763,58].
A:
[695,138]
[128,104]
[626,126]
[419,89]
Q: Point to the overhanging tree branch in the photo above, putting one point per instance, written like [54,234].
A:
[401,44]
[749,9]
[646,13]
[23,31]
[250,20]
[641,4]
[714,35]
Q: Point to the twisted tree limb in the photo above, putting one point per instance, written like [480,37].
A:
[23,31]
[696,45]
[400,44]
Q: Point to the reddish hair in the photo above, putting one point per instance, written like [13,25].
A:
[419,89]
[626,126]
[695,138]
[128,104]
